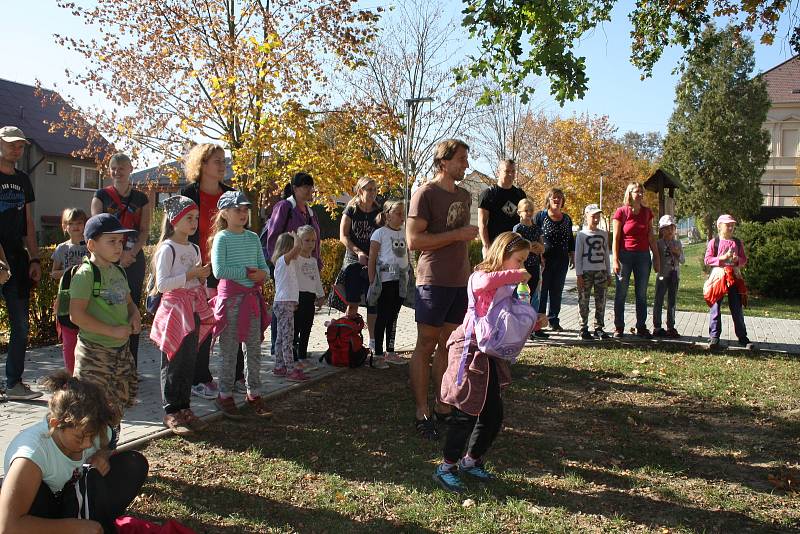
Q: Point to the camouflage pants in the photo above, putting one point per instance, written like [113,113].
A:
[111,368]
[597,280]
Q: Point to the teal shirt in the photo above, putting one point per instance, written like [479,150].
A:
[231,253]
[111,307]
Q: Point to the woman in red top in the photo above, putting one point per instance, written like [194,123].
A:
[205,168]
[634,239]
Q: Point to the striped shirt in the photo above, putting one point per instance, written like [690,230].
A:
[231,253]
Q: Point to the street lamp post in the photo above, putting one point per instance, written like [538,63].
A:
[410,102]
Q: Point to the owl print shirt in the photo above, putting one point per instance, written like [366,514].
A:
[393,256]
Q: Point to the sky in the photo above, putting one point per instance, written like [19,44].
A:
[615,88]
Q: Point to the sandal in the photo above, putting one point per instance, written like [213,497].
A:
[426,428]
[176,423]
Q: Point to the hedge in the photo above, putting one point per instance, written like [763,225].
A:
[773,257]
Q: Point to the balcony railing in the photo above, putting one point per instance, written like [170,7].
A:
[783,162]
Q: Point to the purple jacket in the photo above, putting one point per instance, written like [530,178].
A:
[287,217]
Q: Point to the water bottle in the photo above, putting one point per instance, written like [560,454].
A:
[523,291]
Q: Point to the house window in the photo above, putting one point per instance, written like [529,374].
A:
[84,178]
[790,143]
[51,167]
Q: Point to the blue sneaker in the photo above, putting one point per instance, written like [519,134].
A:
[476,471]
[448,479]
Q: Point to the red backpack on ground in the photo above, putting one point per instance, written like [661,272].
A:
[345,342]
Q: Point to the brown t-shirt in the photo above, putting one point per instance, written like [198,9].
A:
[447,266]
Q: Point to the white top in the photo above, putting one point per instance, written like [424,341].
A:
[591,251]
[308,275]
[172,274]
[36,444]
[287,288]
[393,252]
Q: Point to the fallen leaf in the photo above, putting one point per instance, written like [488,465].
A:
[644,360]
[468,503]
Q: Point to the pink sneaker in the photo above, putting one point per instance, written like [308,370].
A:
[279,371]
[297,375]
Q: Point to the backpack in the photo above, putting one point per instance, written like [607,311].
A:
[345,343]
[153,300]
[503,331]
[62,313]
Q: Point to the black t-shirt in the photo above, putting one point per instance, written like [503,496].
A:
[361,227]
[15,192]
[502,207]
[128,210]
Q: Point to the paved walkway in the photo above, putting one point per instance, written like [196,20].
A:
[143,421]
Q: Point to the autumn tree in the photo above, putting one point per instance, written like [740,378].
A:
[648,146]
[240,72]
[411,58]
[497,129]
[715,142]
[576,154]
[527,38]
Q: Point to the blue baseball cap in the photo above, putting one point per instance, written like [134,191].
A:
[232,199]
[104,223]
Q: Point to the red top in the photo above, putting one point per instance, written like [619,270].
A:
[635,228]
[208,209]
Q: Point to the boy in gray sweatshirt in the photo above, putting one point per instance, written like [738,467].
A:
[592,266]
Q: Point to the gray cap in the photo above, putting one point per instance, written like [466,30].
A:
[9,134]
[232,199]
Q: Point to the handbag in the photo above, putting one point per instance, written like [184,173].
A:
[503,331]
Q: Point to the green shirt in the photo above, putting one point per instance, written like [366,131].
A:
[111,307]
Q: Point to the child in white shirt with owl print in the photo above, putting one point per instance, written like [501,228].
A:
[388,270]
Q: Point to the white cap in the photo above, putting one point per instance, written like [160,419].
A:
[591,209]
[666,220]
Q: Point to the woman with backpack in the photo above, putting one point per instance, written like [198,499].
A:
[132,209]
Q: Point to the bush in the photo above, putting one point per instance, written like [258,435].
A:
[773,254]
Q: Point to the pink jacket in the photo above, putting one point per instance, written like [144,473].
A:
[174,319]
[252,306]
[470,396]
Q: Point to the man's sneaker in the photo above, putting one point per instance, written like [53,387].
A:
[228,407]
[659,332]
[476,471]
[378,362]
[644,333]
[259,407]
[240,386]
[671,332]
[599,333]
[746,344]
[205,391]
[585,335]
[395,359]
[279,371]
[448,479]
[713,344]
[176,423]
[192,421]
[297,375]
[541,334]
[21,391]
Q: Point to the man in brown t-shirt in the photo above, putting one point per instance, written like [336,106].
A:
[438,226]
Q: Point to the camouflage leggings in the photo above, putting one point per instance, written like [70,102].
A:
[111,368]
[597,280]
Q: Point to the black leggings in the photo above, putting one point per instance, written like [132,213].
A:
[109,496]
[303,321]
[475,433]
[389,304]
[135,274]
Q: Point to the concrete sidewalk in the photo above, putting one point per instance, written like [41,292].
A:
[143,421]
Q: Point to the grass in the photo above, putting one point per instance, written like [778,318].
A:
[690,291]
[608,439]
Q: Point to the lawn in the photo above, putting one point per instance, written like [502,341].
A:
[619,438]
[690,291]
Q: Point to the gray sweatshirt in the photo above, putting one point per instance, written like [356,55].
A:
[591,251]
[669,262]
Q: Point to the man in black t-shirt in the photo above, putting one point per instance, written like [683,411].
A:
[16,233]
[497,208]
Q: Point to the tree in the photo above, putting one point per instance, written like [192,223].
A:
[647,146]
[413,58]
[239,72]
[573,154]
[715,142]
[497,130]
[530,37]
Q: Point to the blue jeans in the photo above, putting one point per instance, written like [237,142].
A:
[17,302]
[639,264]
[553,277]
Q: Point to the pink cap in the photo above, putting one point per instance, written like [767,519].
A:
[725,218]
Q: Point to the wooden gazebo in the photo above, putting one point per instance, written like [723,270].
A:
[662,181]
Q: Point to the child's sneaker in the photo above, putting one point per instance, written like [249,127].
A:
[259,407]
[395,359]
[240,386]
[228,407]
[599,333]
[297,375]
[747,344]
[585,335]
[279,371]
[540,334]
[659,332]
[378,362]
[448,479]
[192,421]
[671,332]
[476,471]
[176,423]
[713,344]
[643,333]
[206,390]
